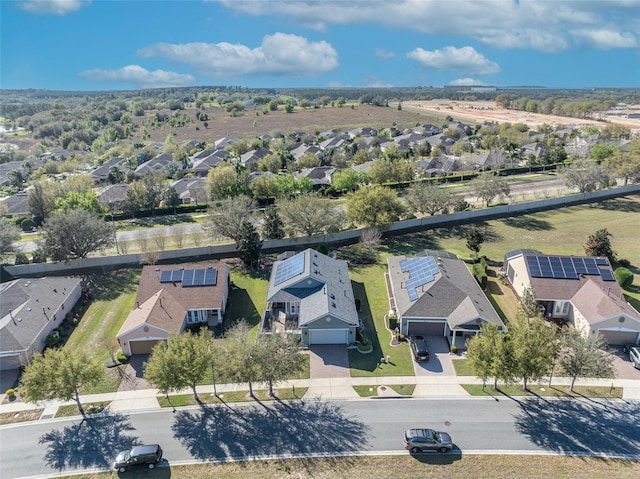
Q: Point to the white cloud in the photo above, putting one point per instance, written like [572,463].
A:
[382,53]
[521,24]
[279,54]
[142,77]
[466,82]
[606,39]
[465,59]
[52,7]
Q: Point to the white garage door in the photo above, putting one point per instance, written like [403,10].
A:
[328,336]
[619,337]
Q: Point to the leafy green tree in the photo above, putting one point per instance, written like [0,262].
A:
[309,214]
[75,234]
[375,206]
[625,165]
[529,303]
[265,188]
[225,181]
[227,218]
[273,226]
[390,169]
[249,245]
[86,201]
[271,163]
[184,360]
[482,352]
[427,197]
[600,152]
[586,175]
[488,186]
[289,186]
[171,198]
[348,179]
[584,355]
[60,374]
[475,238]
[242,358]
[134,198]
[9,234]
[153,188]
[280,358]
[533,345]
[599,244]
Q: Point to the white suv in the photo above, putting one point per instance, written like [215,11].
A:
[634,355]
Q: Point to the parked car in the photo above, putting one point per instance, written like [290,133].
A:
[419,348]
[633,351]
[419,440]
[149,455]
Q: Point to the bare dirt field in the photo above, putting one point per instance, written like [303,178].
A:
[481,111]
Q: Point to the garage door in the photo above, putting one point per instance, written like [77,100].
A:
[142,347]
[328,336]
[421,328]
[619,337]
[9,362]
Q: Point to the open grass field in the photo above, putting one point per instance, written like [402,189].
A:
[424,466]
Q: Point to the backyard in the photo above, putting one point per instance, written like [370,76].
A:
[562,231]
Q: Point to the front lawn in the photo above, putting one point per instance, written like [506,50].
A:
[546,391]
[281,394]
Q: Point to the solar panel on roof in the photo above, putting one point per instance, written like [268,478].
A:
[187,278]
[211,277]
[602,261]
[578,264]
[422,270]
[165,277]
[592,268]
[289,268]
[607,275]
[198,277]
[176,275]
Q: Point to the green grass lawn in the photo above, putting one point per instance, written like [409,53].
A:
[372,390]
[546,391]
[281,394]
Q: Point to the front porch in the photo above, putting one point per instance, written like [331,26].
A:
[276,320]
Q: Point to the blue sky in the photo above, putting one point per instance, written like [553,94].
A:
[124,45]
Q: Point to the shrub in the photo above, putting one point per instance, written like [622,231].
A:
[11,392]
[323,248]
[27,224]
[121,357]
[453,348]
[393,322]
[21,258]
[52,340]
[624,277]
[479,272]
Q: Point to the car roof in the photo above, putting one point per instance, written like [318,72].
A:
[420,432]
[145,449]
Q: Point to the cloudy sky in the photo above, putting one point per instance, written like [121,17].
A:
[123,45]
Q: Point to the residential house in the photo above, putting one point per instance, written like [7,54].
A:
[320,175]
[434,293]
[304,149]
[191,190]
[171,298]
[310,294]
[102,172]
[30,310]
[204,163]
[113,196]
[16,205]
[580,290]
[251,158]
[156,163]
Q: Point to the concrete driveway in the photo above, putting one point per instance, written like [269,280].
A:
[329,361]
[440,362]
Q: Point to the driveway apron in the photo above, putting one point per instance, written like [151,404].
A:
[329,361]
[440,362]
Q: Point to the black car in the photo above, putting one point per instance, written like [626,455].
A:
[419,440]
[419,348]
[149,456]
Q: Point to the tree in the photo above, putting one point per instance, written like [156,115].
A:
[280,358]
[9,234]
[600,152]
[482,352]
[134,198]
[529,303]
[182,361]
[625,165]
[586,175]
[599,244]
[243,359]
[487,186]
[309,214]
[348,180]
[475,238]
[272,227]
[153,188]
[429,198]
[41,200]
[533,344]
[60,374]
[249,245]
[584,355]
[375,206]
[265,188]
[226,220]
[75,200]
[171,198]
[224,181]
[75,234]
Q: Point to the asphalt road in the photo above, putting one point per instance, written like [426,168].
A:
[310,427]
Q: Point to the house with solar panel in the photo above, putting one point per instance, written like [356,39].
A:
[580,290]
[435,294]
[171,298]
[310,294]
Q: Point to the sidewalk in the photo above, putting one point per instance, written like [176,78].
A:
[329,388]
